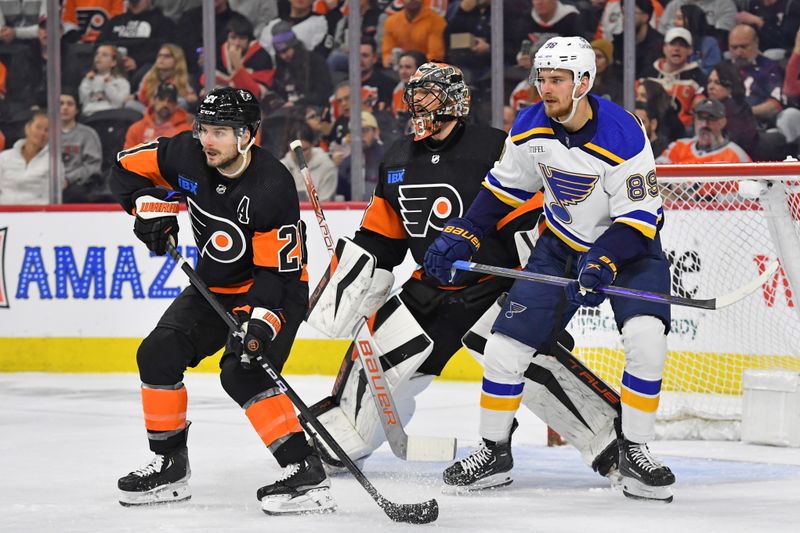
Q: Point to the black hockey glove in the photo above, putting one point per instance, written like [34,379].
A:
[156,217]
[260,327]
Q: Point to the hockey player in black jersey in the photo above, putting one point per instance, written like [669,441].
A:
[251,253]
[424,180]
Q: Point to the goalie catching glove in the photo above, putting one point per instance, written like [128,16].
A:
[156,217]
[260,328]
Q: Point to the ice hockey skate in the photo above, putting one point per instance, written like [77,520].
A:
[164,480]
[643,477]
[487,467]
[302,489]
[607,464]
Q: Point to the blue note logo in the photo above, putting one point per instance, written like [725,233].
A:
[186,184]
[513,309]
[567,188]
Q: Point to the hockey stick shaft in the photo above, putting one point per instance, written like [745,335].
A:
[610,290]
[427,448]
[414,513]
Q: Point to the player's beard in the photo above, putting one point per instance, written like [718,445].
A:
[223,164]
[557,109]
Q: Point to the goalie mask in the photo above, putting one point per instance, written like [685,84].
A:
[435,94]
[226,106]
[569,53]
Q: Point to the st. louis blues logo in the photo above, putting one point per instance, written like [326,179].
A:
[424,206]
[567,188]
[217,238]
[3,293]
[514,308]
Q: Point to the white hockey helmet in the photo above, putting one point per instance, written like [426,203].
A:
[569,53]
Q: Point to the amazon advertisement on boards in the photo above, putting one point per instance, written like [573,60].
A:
[85,274]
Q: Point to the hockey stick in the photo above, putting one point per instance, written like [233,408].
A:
[609,290]
[405,446]
[412,513]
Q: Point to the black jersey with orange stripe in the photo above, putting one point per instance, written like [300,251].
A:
[423,184]
[248,230]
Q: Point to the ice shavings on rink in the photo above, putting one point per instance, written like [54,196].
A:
[67,438]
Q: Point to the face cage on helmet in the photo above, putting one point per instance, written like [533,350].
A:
[429,121]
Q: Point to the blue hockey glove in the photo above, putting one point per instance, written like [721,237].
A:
[156,217]
[459,239]
[597,267]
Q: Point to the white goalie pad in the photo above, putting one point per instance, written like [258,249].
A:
[525,241]
[355,422]
[351,288]
[569,404]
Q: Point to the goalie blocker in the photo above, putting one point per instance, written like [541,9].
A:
[566,395]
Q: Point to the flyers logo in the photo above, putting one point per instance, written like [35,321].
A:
[217,238]
[424,206]
[3,293]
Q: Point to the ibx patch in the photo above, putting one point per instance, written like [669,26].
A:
[186,184]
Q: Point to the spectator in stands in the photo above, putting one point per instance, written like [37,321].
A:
[170,67]
[174,9]
[372,75]
[607,83]
[775,21]
[338,145]
[19,19]
[710,144]
[725,85]
[373,151]
[370,14]
[547,18]
[164,118]
[259,13]
[762,77]
[312,116]
[791,83]
[720,15]
[301,76]
[81,153]
[649,42]
[141,30]
[310,28]
[683,80]
[25,167]
[190,37]
[241,61]
[3,74]
[104,86]
[471,18]
[88,17]
[652,92]
[407,65]
[706,47]
[649,116]
[416,27]
[323,171]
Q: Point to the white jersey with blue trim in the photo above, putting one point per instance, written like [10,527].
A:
[601,174]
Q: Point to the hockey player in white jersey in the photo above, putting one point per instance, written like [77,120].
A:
[603,215]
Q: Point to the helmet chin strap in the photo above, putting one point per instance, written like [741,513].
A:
[575,100]
[242,152]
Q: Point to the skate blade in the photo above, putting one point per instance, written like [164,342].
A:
[495,481]
[174,492]
[315,501]
[615,478]
[636,490]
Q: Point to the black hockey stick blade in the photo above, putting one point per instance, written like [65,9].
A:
[413,513]
[610,290]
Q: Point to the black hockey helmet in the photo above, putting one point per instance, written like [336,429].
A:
[226,106]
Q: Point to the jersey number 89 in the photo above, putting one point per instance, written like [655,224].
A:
[640,187]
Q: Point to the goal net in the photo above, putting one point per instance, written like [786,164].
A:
[717,240]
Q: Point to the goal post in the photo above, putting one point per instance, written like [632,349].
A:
[724,224]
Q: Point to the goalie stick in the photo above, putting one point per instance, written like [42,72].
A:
[405,446]
[412,513]
[610,290]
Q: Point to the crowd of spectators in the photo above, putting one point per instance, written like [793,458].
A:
[717,80]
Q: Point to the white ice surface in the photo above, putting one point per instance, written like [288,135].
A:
[65,439]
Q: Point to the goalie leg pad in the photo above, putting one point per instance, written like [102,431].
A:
[581,408]
[351,288]
[404,346]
